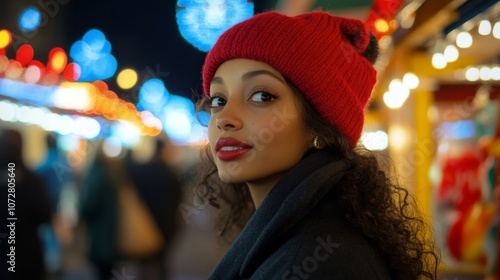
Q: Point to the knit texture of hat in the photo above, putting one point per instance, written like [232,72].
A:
[319,53]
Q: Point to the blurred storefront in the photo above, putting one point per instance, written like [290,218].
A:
[437,97]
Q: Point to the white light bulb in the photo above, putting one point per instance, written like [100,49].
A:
[439,61]
[485,73]
[495,73]
[484,27]
[451,53]
[410,80]
[464,40]
[496,30]
[397,94]
[472,74]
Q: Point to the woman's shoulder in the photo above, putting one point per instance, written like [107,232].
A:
[323,246]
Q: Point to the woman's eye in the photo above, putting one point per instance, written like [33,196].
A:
[262,96]
[217,101]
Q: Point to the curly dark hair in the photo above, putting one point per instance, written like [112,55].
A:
[368,196]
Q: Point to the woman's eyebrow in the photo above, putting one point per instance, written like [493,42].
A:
[249,75]
[252,74]
[217,80]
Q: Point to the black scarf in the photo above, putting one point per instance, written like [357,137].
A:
[286,204]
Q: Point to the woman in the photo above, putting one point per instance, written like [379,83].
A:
[287,98]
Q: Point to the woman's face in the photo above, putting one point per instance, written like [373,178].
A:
[255,132]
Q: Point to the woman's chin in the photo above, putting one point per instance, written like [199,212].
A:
[228,178]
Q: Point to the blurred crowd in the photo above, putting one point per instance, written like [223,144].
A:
[121,213]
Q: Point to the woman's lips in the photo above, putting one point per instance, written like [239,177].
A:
[230,149]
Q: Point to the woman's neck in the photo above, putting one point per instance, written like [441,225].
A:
[260,188]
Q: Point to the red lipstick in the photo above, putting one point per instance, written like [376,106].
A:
[230,148]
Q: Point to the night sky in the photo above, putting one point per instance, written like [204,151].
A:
[144,35]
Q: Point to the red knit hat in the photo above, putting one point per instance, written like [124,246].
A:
[319,53]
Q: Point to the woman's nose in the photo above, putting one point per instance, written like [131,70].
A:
[230,117]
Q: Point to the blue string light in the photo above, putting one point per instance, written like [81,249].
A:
[201,22]
[30,19]
[93,54]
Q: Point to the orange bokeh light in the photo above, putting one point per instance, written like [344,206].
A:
[100,85]
[381,25]
[57,60]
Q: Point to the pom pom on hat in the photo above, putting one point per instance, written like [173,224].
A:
[321,54]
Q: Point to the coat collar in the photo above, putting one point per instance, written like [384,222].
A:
[286,204]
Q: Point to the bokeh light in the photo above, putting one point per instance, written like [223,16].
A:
[24,92]
[397,94]
[451,53]
[40,66]
[496,30]
[32,74]
[485,73]
[201,22]
[57,60]
[74,96]
[86,127]
[177,124]
[30,19]
[7,111]
[472,74]
[153,91]
[411,80]
[5,38]
[14,70]
[127,133]
[4,62]
[66,124]
[464,40]
[25,54]
[495,73]
[112,146]
[457,130]
[393,100]
[399,137]
[439,61]
[484,27]
[93,55]
[22,114]
[381,25]
[50,78]
[203,118]
[127,78]
[375,141]
[72,72]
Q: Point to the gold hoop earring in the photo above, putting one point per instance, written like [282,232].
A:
[316,142]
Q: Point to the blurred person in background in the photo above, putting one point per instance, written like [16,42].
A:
[99,210]
[32,209]
[58,176]
[159,187]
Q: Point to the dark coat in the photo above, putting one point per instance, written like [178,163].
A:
[32,209]
[298,233]
[99,206]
